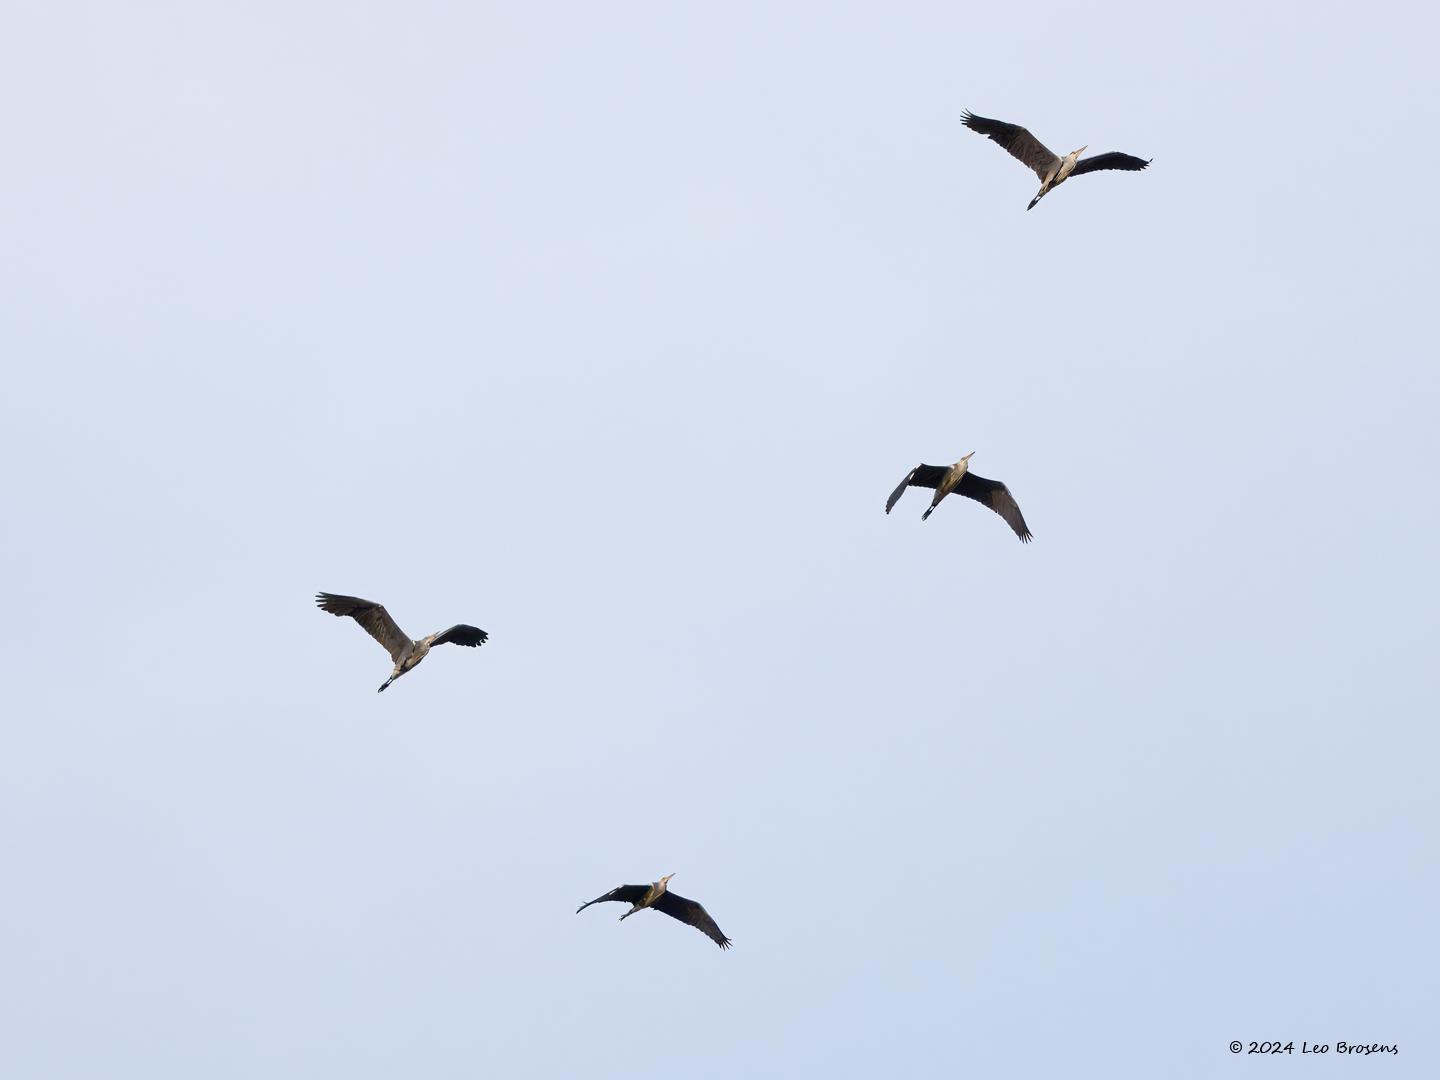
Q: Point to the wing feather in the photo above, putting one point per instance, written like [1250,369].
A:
[997,497]
[628,894]
[928,476]
[1018,142]
[373,618]
[461,634]
[692,913]
[1112,160]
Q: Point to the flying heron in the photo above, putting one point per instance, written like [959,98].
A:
[657,896]
[958,477]
[1052,169]
[378,624]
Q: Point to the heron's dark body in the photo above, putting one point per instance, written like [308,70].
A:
[410,659]
[952,480]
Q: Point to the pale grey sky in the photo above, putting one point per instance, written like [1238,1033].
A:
[608,328]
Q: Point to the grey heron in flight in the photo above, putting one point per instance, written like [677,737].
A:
[377,622]
[656,895]
[1052,169]
[958,477]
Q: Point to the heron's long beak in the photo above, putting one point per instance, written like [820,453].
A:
[1082,149]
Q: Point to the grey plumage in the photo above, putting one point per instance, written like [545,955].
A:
[957,478]
[658,896]
[404,652]
[1051,168]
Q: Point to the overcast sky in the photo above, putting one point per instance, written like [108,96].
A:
[608,328]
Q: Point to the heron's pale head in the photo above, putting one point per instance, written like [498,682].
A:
[666,878]
[967,457]
[1082,149]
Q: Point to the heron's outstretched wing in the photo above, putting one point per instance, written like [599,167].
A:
[1020,143]
[628,894]
[997,497]
[920,476]
[374,618]
[460,634]
[1112,160]
[688,911]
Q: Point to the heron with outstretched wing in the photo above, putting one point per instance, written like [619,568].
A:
[1051,168]
[958,478]
[658,896]
[376,622]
